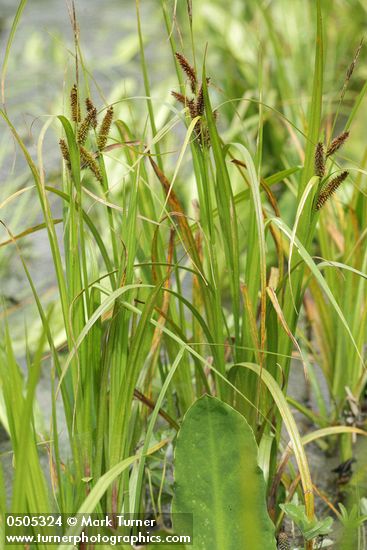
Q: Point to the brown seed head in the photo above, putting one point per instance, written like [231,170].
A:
[64,151]
[90,161]
[320,160]
[188,70]
[74,104]
[105,129]
[83,129]
[330,188]
[192,108]
[180,98]
[91,109]
[190,103]
[337,143]
[200,102]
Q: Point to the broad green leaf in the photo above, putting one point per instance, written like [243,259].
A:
[218,480]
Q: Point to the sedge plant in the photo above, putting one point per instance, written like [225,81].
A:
[162,301]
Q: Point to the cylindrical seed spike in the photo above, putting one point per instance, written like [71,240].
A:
[74,104]
[337,143]
[105,129]
[320,160]
[90,161]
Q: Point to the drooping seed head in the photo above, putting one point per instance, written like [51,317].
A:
[329,189]
[90,161]
[84,128]
[91,109]
[180,98]
[64,151]
[337,143]
[188,70]
[333,184]
[189,103]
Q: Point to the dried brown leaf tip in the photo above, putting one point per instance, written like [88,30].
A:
[105,129]
[329,189]
[74,104]
[188,70]
[337,143]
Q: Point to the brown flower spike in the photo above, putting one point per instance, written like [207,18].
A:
[337,143]
[180,98]
[90,161]
[84,128]
[65,151]
[326,189]
[188,70]
[330,188]
[199,105]
[105,129]
[74,104]
[320,160]
[92,111]
[195,104]
[190,103]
